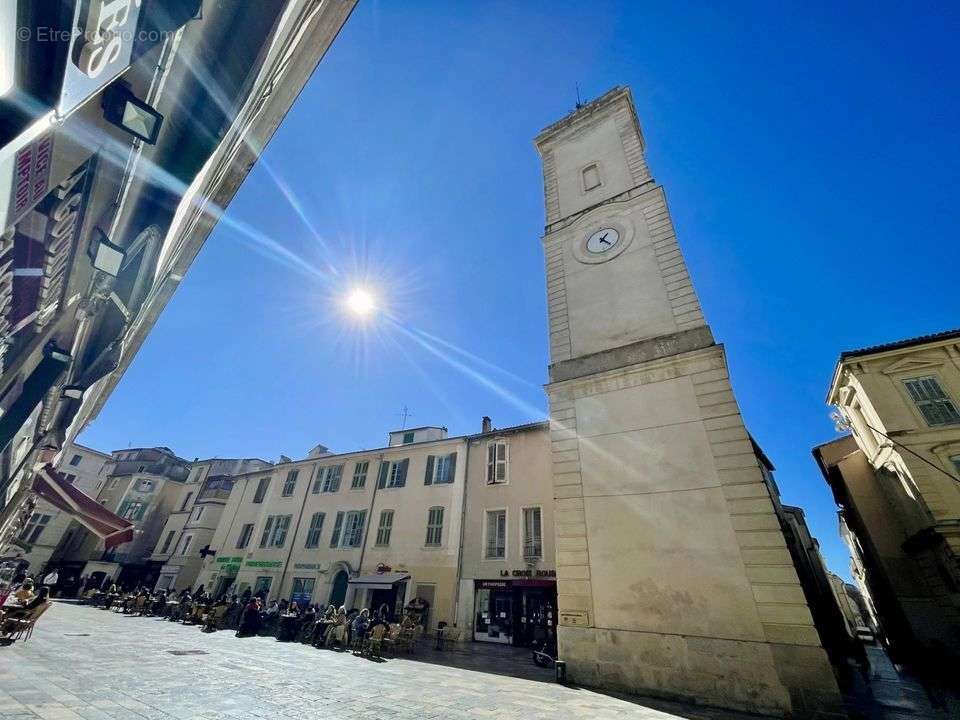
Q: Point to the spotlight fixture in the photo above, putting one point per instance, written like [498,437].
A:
[131,114]
[73,392]
[106,256]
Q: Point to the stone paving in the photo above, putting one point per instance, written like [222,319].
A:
[84,663]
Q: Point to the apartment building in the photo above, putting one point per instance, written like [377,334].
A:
[197,510]
[897,482]
[363,528]
[140,485]
[508,584]
[48,526]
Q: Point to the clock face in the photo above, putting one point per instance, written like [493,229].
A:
[603,241]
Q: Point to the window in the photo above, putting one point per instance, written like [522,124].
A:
[166,543]
[197,512]
[132,510]
[385,527]
[360,475]
[348,529]
[353,528]
[75,460]
[434,526]
[328,479]
[185,544]
[35,525]
[70,478]
[532,534]
[245,535]
[337,527]
[261,492]
[145,486]
[186,501]
[440,469]
[393,475]
[496,534]
[498,455]
[275,531]
[290,483]
[313,534]
[408,438]
[262,586]
[933,403]
[302,591]
[591,177]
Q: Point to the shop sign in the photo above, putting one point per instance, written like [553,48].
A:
[65,208]
[31,174]
[230,560]
[493,584]
[101,46]
[263,563]
[306,566]
[577,618]
[529,573]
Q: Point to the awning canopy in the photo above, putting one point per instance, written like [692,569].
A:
[52,487]
[379,581]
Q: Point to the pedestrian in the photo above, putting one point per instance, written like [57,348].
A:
[250,619]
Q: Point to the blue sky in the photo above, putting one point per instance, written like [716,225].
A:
[811,161]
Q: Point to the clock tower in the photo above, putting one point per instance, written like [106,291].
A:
[674,576]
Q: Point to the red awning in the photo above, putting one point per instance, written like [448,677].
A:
[52,487]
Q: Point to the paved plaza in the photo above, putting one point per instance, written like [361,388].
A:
[90,664]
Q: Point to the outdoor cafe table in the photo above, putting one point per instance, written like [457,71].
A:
[289,624]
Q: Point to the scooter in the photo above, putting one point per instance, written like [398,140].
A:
[544,651]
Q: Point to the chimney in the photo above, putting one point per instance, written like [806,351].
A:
[485,425]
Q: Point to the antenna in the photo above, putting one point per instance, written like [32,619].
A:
[405,415]
[579,104]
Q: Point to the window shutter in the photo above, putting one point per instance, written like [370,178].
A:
[382,475]
[452,468]
[428,475]
[266,532]
[335,483]
[491,462]
[402,472]
[337,526]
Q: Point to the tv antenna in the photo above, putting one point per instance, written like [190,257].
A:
[405,415]
[579,104]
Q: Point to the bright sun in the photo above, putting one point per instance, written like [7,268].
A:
[360,302]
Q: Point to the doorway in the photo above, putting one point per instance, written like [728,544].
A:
[338,588]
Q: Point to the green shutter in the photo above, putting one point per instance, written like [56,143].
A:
[452,468]
[402,473]
[337,525]
[428,475]
[382,476]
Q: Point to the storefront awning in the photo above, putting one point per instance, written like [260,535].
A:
[379,581]
[52,487]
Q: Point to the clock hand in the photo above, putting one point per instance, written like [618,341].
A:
[604,240]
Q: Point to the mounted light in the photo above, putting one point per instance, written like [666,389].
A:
[52,351]
[73,392]
[106,256]
[128,112]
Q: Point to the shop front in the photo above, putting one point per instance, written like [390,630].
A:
[384,587]
[514,611]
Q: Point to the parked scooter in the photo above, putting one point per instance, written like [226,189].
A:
[544,648]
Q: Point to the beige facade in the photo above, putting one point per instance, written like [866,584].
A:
[141,485]
[897,482]
[674,576]
[48,526]
[362,529]
[196,513]
[508,572]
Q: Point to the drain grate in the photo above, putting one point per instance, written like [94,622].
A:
[187,652]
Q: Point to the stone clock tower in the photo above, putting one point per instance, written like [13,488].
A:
[674,577]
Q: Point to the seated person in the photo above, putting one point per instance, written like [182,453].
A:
[360,625]
[10,614]
[21,596]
